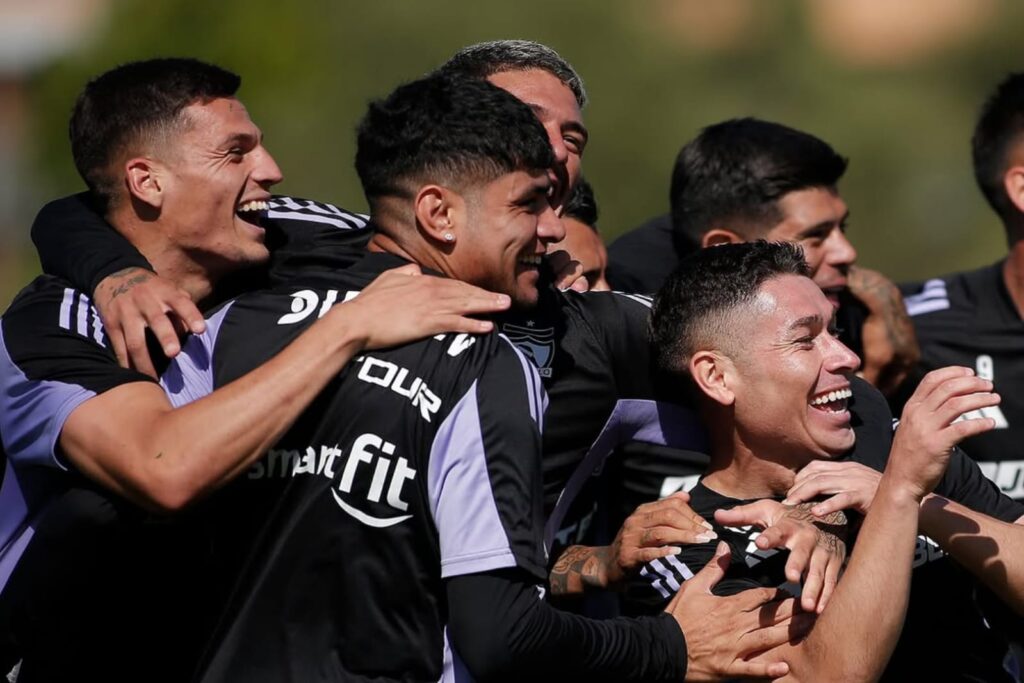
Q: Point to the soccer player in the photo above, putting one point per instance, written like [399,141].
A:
[974,318]
[395,532]
[745,179]
[180,169]
[777,405]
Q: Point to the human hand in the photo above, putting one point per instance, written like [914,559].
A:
[817,547]
[654,530]
[852,486]
[402,305]
[890,343]
[568,273]
[731,637]
[930,428]
[133,300]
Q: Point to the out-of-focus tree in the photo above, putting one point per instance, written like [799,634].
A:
[657,71]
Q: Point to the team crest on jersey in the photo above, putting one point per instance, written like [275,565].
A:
[537,343]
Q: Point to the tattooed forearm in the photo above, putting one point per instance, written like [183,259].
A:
[579,568]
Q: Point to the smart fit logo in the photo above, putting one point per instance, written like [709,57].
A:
[372,483]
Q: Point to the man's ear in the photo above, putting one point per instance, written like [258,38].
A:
[1013,183]
[145,181]
[440,213]
[713,372]
[716,236]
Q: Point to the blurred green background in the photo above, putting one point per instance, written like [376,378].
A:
[895,86]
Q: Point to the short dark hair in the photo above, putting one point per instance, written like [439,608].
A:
[581,204]
[133,103]
[497,56]
[446,130]
[999,126]
[692,308]
[733,173]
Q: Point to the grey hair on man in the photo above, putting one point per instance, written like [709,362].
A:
[496,56]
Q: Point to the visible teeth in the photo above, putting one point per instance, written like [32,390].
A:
[533,260]
[254,205]
[831,396]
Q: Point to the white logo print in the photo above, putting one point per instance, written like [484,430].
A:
[986,369]
[386,374]
[370,460]
[306,301]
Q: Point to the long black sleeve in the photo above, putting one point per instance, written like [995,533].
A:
[502,630]
[75,243]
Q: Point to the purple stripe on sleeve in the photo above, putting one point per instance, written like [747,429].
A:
[15,530]
[190,375]
[472,537]
[32,413]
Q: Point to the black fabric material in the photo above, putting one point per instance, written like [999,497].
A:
[640,260]
[104,592]
[979,328]
[75,243]
[505,632]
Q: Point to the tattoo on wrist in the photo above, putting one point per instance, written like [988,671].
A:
[128,284]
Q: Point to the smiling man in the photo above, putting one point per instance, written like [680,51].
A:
[745,179]
[746,329]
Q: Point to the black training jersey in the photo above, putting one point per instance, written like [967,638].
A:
[53,357]
[943,615]
[969,319]
[415,464]
[591,351]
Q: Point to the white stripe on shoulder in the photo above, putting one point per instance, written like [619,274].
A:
[292,208]
[932,297]
[643,299]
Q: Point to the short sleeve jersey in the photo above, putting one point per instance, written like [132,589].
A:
[943,615]
[415,464]
[54,356]
[969,319]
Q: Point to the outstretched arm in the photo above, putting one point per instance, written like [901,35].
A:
[132,441]
[503,630]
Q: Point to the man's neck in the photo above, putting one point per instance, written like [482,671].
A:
[168,260]
[737,470]
[1013,275]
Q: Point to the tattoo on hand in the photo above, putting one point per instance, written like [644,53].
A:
[129,283]
[831,529]
[578,568]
